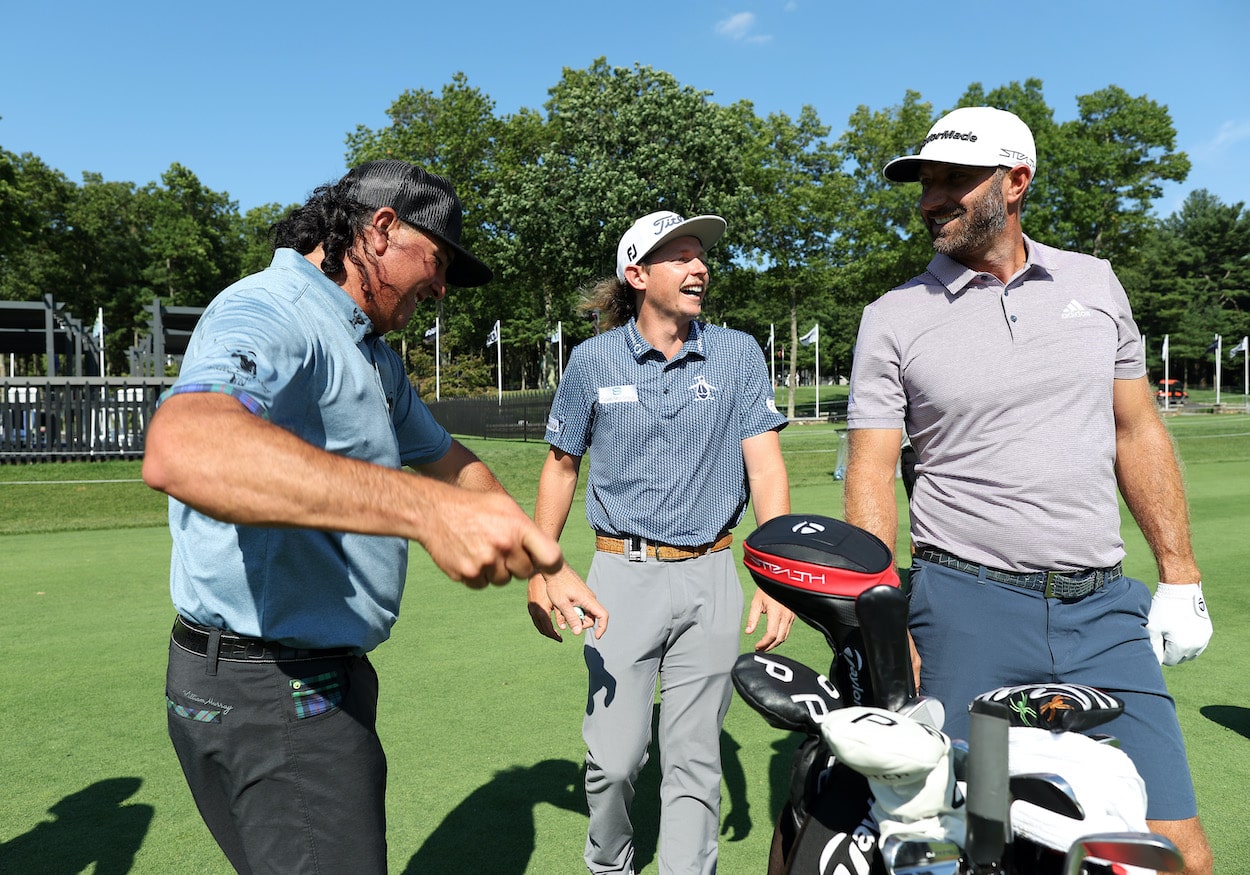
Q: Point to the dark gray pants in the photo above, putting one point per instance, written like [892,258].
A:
[283,760]
[678,622]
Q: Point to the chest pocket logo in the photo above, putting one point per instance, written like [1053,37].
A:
[702,388]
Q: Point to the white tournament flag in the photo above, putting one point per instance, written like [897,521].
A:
[492,339]
[1164,354]
[808,339]
[432,332]
[1241,347]
[557,337]
[97,332]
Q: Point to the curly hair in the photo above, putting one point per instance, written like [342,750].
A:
[329,219]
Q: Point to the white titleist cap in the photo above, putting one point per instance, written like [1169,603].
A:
[974,136]
[655,229]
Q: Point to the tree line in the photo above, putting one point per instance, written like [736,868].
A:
[815,232]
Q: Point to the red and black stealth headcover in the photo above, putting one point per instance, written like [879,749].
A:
[817,566]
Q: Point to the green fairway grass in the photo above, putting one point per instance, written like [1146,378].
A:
[480,716]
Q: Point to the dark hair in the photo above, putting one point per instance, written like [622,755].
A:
[329,219]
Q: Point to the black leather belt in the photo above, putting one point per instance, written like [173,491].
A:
[195,638]
[1052,584]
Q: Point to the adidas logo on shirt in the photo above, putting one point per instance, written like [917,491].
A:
[1074,310]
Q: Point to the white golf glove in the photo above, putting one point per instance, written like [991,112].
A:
[1179,625]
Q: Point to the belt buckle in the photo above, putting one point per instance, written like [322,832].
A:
[1088,582]
[636,548]
[1048,591]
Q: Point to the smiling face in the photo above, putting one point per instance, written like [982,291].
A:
[672,282]
[963,208]
[412,268]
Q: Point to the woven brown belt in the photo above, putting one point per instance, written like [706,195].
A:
[640,547]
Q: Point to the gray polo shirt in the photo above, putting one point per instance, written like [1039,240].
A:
[1006,394]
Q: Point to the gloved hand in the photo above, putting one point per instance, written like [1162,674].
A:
[1179,624]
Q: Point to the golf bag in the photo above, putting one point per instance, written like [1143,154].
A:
[834,576]
[840,580]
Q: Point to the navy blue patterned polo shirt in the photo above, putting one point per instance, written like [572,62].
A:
[664,437]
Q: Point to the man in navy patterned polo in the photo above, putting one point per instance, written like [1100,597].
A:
[685,431]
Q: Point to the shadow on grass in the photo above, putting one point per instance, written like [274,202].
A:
[493,829]
[1234,717]
[90,826]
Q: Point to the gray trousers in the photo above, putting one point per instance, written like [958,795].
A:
[678,622]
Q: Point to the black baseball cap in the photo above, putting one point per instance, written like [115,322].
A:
[423,200]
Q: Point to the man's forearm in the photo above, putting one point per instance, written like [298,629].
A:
[1150,481]
[868,499]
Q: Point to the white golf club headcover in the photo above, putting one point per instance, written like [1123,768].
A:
[1103,778]
[908,767]
[1179,624]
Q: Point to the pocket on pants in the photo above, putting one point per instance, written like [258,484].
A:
[193,711]
[318,694]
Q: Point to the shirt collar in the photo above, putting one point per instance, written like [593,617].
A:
[358,325]
[957,277]
[640,348]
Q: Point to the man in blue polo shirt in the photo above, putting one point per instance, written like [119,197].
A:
[280,447]
[1019,375]
[682,430]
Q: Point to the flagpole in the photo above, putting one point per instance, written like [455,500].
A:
[772,354]
[1219,346]
[818,370]
[499,359]
[438,358]
[98,331]
[560,347]
[1167,387]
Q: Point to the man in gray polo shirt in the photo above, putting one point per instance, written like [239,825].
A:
[683,426]
[1018,373]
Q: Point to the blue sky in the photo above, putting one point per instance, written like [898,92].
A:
[256,98]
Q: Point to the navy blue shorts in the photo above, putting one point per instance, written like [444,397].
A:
[974,635]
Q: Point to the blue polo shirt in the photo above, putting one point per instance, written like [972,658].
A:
[295,349]
[666,462]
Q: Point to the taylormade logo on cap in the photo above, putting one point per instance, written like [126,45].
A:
[974,136]
[655,229]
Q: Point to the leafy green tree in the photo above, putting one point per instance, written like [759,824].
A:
[790,173]
[455,134]
[618,143]
[1104,170]
[881,241]
[193,244]
[34,230]
[257,241]
[1194,281]
[109,230]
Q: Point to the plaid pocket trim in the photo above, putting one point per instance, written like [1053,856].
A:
[316,695]
[199,715]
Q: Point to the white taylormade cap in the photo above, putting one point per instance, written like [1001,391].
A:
[655,229]
[974,136]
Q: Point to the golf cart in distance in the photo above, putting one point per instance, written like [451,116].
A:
[1171,392]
